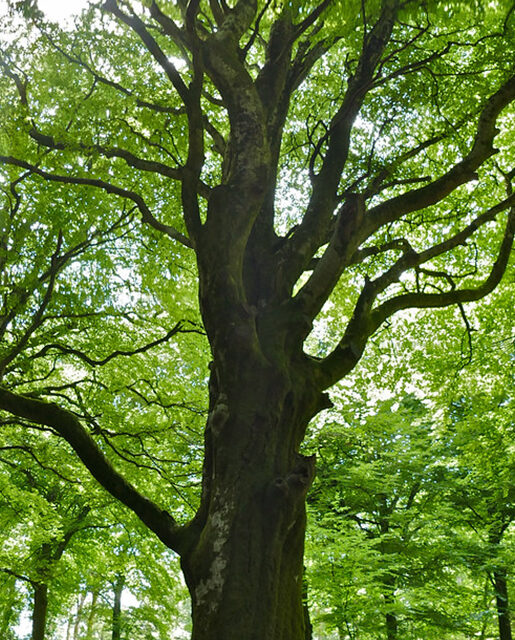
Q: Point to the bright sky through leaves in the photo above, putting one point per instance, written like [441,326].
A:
[60,10]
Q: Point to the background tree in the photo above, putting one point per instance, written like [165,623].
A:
[47,516]
[380,187]
[380,547]
[444,570]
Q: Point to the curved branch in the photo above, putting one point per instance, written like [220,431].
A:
[138,26]
[69,427]
[37,318]
[178,328]
[458,296]
[154,106]
[176,173]
[138,200]
[365,320]
[462,172]
[412,259]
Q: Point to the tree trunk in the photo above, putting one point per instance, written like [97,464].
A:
[245,567]
[78,617]
[308,627]
[39,611]
[91,615]
[391,626]
[502,604]
[117,606]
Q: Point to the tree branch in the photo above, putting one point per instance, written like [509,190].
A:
[138,200]
[365,320]
[138,26]
[309,235]
[176,173]
[462,172]
[69,427]
[178,328]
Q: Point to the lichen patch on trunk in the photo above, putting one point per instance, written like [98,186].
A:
[208,593]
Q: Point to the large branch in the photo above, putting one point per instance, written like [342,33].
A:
[366,320]
[462,172]
[444,299]
[69,427]
[353,225]
[138,26]
[134,161]
[412,259]
[338,254]
[146,214]
[190,95]
[309,236]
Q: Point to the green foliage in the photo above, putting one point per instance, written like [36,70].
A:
[412,510]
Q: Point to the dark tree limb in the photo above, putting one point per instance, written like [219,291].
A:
[138,26]
[93,362]
[367,320]
[69,427]
[138,200]
[462,172]
[309,235]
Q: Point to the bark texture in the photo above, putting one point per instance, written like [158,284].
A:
[245,568]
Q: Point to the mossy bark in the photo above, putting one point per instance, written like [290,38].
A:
[244,568]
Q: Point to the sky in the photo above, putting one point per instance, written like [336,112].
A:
[60,10]
[56,10]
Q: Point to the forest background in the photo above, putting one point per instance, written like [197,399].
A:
[410,516]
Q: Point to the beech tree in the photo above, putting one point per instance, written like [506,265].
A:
[300,153]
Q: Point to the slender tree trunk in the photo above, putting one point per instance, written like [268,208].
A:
[390,618]
[389,580]
[308,627]
[78,617]
[502,603]
[391,626]
[486,606]
[39,611]
[245,569]
[69,626]
[91,615]
[117,607]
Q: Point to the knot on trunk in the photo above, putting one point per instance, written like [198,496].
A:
[303,473]
[298,481]
[219,414]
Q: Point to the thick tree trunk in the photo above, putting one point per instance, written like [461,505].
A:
[502,603]
[245,568]
[39,611]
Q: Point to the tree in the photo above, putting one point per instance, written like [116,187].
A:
[378,551]
[55,514]
[481,430]
[301,153]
